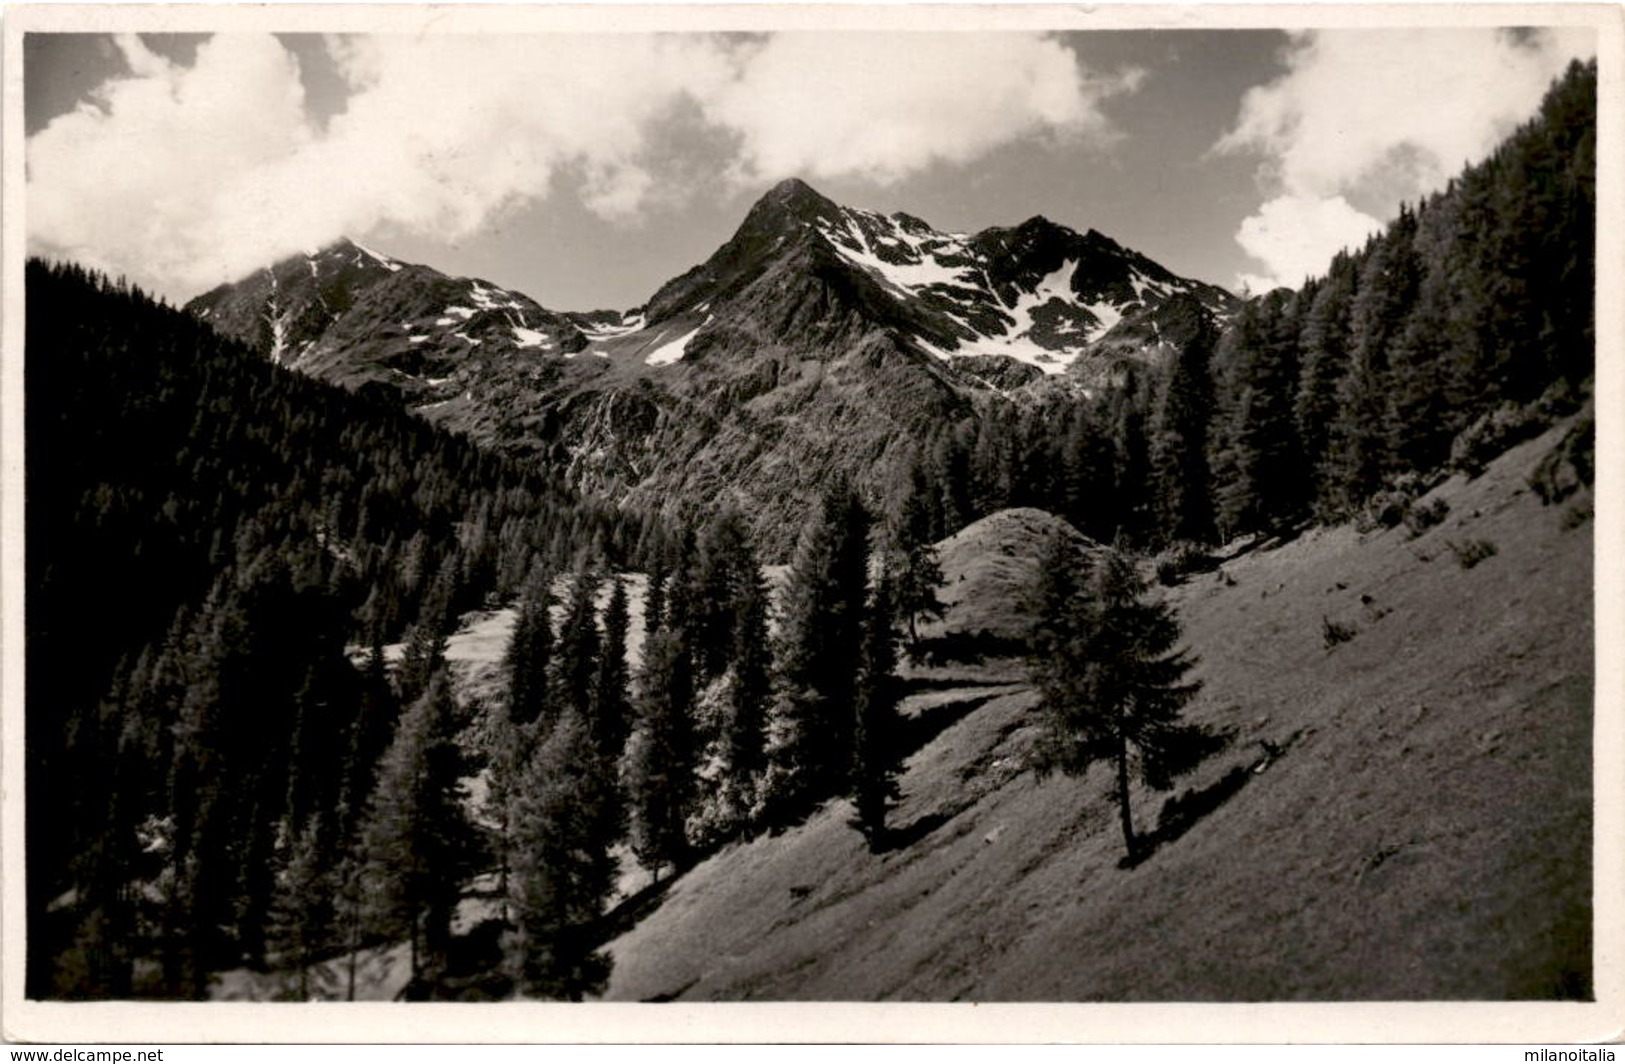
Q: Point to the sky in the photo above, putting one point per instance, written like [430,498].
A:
[587,169]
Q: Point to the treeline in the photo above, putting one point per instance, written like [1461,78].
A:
[1464,327]
[210,539]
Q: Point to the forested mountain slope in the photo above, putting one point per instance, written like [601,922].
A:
[207,535]
[1403,811]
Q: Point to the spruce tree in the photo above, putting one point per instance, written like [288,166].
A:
[876,725]
[564,817]
[1179,441]
[303,913]
[661,758]
[1323,339]
[1263,485]
[1129,408]
[749,698]
[1361,450]
[1111,682]
[654,602]
[612,709]
[725,562]
[913,561]
[418,840]
[530,652]
[575,654]
[820,643]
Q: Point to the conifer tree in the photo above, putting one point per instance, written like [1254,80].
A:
[1110,681]
[1179,441]
[564,817]
[350,909]
[660,758]
[575,655]
[612,711]
[369,737]
[1264,486]
[654,602]
[1361,455]
[1088,466]
[749,697]
[725,562]
[917,570]
[1323,339]
[876,727]
[302,906]
[417,836]
[1131,496]
[424,655]
[530,652]
[820,642]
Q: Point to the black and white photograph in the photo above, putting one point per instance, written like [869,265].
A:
[933,506]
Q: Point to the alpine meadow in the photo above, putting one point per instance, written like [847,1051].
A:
[878,610]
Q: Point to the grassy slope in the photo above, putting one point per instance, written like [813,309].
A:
[1425,833]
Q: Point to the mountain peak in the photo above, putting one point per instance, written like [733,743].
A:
[791,199]
[792,189]
[1038,224]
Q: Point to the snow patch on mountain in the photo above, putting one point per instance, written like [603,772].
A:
[629,324]
[673,351]
[277,319]
[1046,323]
[383,260]
[1108,315]
[1142,285]
[495,298]
[921,266]
[523,337]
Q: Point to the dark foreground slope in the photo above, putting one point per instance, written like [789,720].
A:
[1422,831]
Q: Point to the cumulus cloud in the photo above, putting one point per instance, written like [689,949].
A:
[881,107]
[1376,116]
[189,176]
[185,176]
[124,181]
[1291,234]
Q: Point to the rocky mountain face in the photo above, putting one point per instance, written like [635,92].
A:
[350,315]
[1038,299]
[818,342]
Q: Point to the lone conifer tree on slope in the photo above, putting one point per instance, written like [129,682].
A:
[1110,680]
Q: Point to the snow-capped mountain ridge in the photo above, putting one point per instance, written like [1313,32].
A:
[1039,294]
[818,341]
[351,314]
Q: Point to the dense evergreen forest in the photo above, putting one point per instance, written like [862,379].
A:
[224,771]
[210,538]
[1465,327]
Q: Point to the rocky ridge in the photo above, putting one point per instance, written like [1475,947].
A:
[818,342]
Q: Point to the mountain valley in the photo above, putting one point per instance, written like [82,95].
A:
[874,613]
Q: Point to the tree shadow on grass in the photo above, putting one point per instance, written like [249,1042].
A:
[1183,811]
[902,838]
[915,732]
[625,916]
